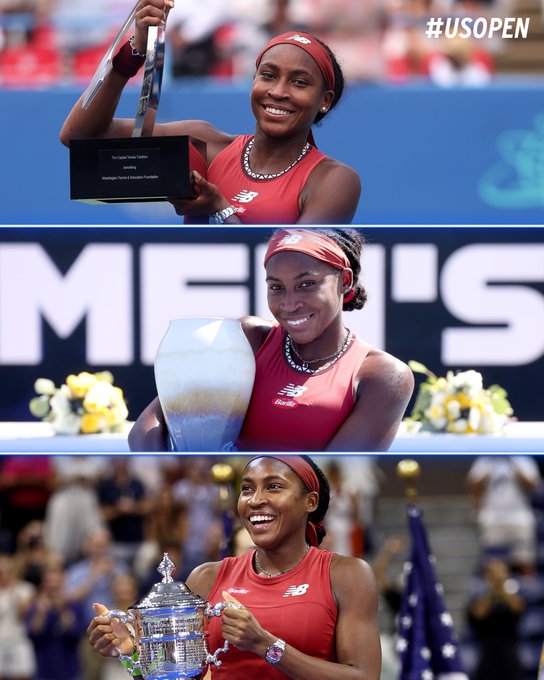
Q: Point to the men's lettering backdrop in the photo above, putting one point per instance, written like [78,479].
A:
[98,298]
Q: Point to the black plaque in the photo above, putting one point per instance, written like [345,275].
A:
[131,169]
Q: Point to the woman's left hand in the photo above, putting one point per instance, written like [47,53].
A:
[207,198]
[242,629]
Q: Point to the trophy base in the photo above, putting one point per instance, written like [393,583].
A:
[129,169]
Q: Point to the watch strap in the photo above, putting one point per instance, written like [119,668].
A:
[221,216]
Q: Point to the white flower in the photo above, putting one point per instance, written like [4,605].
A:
[44,386]
[64,420]
[459,426]
[470,381]
[491,422]
[474,418]
[436,415]
[454,409]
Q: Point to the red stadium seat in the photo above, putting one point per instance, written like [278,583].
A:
[30,66]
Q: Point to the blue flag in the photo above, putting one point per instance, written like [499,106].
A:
[426,641]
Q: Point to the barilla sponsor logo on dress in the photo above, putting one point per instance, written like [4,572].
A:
[245,196]
[291,390]
[295,591]
[300,39]
[237,591]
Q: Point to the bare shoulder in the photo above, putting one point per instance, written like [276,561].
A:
[352,579]
[331,170]
[256,330]
[382,372]
[199,129]
[201,580]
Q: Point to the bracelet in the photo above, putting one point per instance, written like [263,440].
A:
[128,61]
[135,52]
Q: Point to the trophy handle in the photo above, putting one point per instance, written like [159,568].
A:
[150,93]
[151,86]
[105,65]
[217,610]
[128,662]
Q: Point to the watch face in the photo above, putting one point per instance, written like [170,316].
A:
[274,653]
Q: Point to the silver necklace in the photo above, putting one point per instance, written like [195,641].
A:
[267,573]
[331,359]
[258,175]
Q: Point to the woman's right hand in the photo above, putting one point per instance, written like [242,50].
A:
[108,637]
[149,13]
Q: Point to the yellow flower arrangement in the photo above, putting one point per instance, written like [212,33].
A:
[458,403]
[88,403]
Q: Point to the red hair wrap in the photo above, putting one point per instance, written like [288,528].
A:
[312,47]
[309,242]
[307,475]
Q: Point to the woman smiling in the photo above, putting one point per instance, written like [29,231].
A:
[318,387]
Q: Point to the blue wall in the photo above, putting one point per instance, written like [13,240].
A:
[425,156]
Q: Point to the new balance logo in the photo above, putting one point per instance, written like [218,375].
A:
[245,196]
[292,390]
[290,239]
[295,591]
[300,39]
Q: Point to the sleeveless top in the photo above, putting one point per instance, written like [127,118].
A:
[265,201]
[293,411]
[298,607]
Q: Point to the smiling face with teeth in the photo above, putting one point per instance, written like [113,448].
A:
[288,92]
[305,295]
[274,504]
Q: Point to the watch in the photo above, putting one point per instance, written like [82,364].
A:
[221,216]
[275,652]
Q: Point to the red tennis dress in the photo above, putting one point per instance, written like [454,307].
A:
[297,607]
[293,411]
[261,201]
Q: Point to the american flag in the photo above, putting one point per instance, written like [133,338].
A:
[426,641]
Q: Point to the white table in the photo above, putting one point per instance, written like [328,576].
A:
[38,437]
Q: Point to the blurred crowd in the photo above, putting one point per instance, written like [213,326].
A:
[57,41]
[75,530]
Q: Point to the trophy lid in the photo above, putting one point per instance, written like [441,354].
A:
[169,593]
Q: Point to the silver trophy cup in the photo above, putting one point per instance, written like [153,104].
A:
[169,626]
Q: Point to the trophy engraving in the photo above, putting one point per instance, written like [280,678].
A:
[137,168]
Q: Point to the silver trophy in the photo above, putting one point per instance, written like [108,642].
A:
[169,626]
[140,167]
[204,372]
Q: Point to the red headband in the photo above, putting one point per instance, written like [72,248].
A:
[311,243]
[307,475]
[312,47]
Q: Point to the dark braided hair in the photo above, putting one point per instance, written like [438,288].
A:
[351,242]
[317,516]
[338,81]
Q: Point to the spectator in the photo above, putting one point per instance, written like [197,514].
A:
[494,614]
[125,593]
[124,507]
[26,483]
[73,509]
[344,534]
[91,580]
[31,554]
[17,660]
[165,523]
[204,527]
[55,625]
[390,596]
[501,487]
[191,35]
